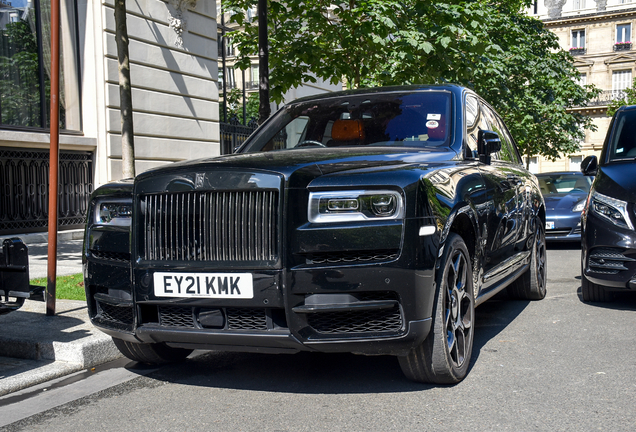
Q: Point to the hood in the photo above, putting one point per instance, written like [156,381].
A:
[617,180]
[563,201]
[316,161]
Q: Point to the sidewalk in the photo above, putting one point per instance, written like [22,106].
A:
[35,348]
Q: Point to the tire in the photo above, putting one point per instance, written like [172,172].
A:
[532,284]
[151,353]
[593,292]
[444,356]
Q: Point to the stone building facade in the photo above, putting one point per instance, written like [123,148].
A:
[599,35]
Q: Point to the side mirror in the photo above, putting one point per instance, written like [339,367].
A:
[589,166]
[488,142]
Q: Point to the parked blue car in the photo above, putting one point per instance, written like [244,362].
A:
[565,194]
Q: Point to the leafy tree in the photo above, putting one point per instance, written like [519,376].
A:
[235,105]
[490,46]
[19,76]
[629,99]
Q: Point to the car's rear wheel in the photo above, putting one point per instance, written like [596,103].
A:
[444,356]
[151,353]
[594,292]
[532,284]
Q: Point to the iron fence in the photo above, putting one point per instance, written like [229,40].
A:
[24,196]
[234,134]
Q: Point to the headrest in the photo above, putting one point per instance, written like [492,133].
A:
[436,128]
[347,130]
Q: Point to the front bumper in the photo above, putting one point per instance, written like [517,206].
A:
[563,228]
[608,254]
[379,308]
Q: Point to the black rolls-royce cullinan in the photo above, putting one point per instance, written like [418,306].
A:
[369,221]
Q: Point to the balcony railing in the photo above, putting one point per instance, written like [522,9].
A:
[622,46]
[605,97]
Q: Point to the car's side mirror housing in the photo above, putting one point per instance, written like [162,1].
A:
[589,166]
[488,142]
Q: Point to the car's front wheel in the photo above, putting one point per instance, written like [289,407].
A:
[151,353]
[444,356]
[594,292]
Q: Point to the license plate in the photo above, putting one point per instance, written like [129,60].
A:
[204,285]
[549,225]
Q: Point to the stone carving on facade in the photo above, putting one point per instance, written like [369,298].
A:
[177,19]
[601,5]
[555,7]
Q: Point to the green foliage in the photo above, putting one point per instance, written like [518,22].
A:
[629,99]
[235,105]
[507,57]
[19,76]
[66,287]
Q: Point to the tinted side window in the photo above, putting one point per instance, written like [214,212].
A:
[623,145]
[508,149]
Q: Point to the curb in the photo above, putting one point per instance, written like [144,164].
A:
[39,238]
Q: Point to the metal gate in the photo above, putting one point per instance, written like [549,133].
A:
[24,195]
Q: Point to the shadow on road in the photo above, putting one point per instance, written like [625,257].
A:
[315,373]
[563,245]
[625,301]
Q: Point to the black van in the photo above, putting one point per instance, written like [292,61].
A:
[608,238]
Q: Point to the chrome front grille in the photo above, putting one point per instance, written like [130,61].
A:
[210,226]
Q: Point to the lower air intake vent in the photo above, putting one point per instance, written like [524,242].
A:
[118,317]
[608,261]
[368,321]
[176,316]
[246,319]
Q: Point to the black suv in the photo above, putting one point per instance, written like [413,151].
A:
[608,252]
[369,221]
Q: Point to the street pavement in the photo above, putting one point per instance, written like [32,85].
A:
[35,348]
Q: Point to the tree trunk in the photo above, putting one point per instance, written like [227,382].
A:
[264,109]
[125,92]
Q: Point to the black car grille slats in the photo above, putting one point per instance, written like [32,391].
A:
[608,261]
[210,226]
[371,321]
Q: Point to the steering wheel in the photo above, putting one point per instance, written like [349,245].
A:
[577,190]
[308,143]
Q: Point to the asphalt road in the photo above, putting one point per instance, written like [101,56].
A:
[553,365]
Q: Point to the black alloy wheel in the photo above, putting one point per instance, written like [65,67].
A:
[532,285]
[444,357]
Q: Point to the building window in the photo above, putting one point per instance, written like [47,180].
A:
[578,39]
[229,75]
[621,80]
[578,4]
[25,66]
[582,79]
[575,163]
[623,33]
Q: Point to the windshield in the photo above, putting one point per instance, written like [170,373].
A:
[623,145]
[564,183]
[410,119]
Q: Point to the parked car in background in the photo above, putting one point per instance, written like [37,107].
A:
[608,247]
[565,194]
[369,221]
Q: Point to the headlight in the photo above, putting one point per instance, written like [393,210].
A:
[578,208]
[612,209]
[113,212]
[347,206]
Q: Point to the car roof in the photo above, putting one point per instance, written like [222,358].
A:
[453,88]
